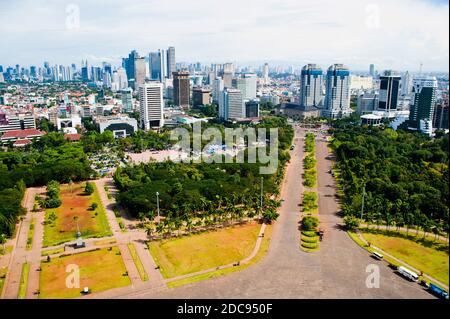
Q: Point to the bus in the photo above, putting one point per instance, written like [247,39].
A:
[408,273]
[438,291]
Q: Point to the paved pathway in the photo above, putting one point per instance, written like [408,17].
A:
[19,254]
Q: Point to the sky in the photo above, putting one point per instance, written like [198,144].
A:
[392,34]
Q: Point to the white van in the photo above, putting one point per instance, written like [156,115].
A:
[408,273]
[378,255]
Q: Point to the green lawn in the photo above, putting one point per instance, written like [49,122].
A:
[24,281]
[430,257]
[52,251]
[100,270]
[137,262]
[75,204]
[184,255]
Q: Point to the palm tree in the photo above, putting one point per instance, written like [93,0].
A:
[160,229]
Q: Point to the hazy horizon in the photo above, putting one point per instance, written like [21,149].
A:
[396,35]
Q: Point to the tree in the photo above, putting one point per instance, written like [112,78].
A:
[94,206]
[351,222]
[270,215]
[89,188]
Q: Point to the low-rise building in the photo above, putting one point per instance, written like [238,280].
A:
[121,126]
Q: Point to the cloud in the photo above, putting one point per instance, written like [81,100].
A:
[393,34]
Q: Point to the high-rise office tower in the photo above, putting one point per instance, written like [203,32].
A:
[151,105]
[372,70]
[227,79]
[200,96]
[181,89]
[154,65]
[218,87]
[311,83]
[265,73]
[246,83]
[389,91]
[231,104]
[139,72]
[422,107]
[158,66]
[337,94]
[406,83]
[127,100]
[130,67]
[440,116]
[252,108]
[171,62]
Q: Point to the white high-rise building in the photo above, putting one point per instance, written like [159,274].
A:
[406,84]
[247,85]
[151,105]
[217,89]
[311,83]
[265,73]
[231,104]
[171,61]
[337,96]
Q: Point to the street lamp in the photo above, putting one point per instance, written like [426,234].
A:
[157,205]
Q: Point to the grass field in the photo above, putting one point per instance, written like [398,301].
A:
[193,253]
[137,262]
[75,204]
[99,270]
[24,281]
[430,257]
[259,256]
[3,272]
[52,251]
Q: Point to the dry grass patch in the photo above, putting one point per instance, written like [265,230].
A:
[75,207]
[181,256]
[100,270]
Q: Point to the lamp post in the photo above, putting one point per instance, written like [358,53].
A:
[157,205]
[261,198]
[362,203]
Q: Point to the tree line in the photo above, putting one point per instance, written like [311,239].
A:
[401,176]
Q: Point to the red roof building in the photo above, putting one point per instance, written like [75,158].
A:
[21,143]
[72,137]
[27,134]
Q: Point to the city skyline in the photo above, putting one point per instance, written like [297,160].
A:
[359,32]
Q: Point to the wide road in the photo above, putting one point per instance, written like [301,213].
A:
[337,270]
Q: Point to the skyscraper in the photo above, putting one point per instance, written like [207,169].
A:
[406,83]
[171,62]
[422,107]
[246,83]
[372,70]
[337,94]
[151,105]
[311,83]
[218,87]
[139,72]
[231,104]
[389,91]
[129,66]
[127,100]
[181,89]
[265,73]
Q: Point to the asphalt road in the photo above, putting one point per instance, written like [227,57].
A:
[337,270]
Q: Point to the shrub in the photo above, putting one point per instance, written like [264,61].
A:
[310,245]
[89,188]
[310,223]
[93,206]
[309,201]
